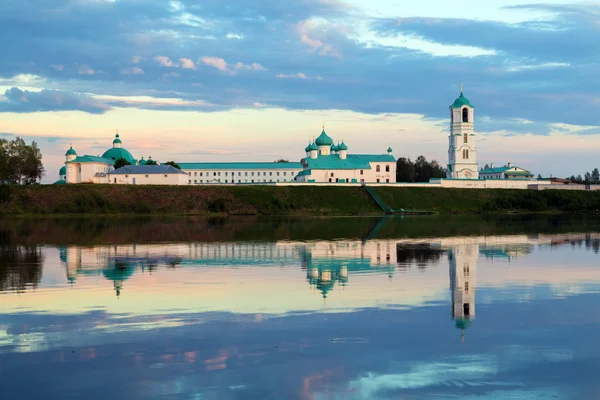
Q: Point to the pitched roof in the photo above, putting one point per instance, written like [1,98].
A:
[91,159]
[512,170]
[352,161]
[240,165]
[147,170]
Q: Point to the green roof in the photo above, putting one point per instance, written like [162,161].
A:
[389,150]
[63,170]
[304,172]
[506,169]
[461,101]
[60,182]
[352,161]
[91,159]
[117,153]
[323,139]
[71,151]
[519,173]
[240,165]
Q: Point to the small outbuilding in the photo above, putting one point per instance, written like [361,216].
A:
[148,175]
[508,171]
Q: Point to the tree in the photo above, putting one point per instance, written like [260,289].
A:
[595,176]
[20,163]
[173,164]
[588,178]
[151,162]
[121,162]
[579,179]
[405,170]
[486,166]
[539,177]
[281,160]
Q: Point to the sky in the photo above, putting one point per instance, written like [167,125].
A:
[255,80]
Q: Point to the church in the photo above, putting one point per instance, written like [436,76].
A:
[462,149]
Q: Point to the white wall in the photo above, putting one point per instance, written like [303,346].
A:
[368,175]
[85,172]
[196,176]
[148,179]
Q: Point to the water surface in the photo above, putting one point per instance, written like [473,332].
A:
[345,308]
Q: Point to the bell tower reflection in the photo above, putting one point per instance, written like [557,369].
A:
[463,260]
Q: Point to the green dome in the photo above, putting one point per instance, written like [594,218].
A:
[119,272]
[142,161]
[307,148]
[323,139]
[461,101]
[71,152]
[117,140]
[117,153]
[313,146]
[462,323]
[63,171]
[389,150]
[342,146]
[334,148]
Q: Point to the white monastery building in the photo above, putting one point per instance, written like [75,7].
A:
[324,163]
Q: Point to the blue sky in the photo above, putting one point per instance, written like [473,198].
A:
[252,80]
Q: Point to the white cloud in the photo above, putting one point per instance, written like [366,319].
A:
[234,36]
[250,67]
[299,75]
[307,30]
[164,61]
[85,70]
[58,67]
[186,63]
[171,75]
[215,62]
[132,71]
[136,59]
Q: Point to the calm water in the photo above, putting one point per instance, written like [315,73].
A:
[345,308]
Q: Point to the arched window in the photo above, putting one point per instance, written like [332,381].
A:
[465,154]
[387,168]
[465,114]
[466,138]
[378,169]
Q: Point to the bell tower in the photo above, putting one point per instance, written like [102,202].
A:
[462,149]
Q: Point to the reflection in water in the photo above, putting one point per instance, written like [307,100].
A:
[247,319]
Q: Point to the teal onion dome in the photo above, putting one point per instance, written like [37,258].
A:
[342,146]
[389,150]
[334,148]
[63,171]
[117,140]
[117,153]
[461,101]
[307,148]
[324,139]
[313,146]
[71,152]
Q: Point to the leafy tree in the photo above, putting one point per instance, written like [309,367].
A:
[151,162]
[281,160]
[173,164]
[20,163]
[595,176]
[588,178]
[121,162]
[579,179]
[405,170]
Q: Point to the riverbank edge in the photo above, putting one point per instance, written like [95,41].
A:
[217,201]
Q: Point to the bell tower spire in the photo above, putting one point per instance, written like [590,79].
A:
[462,149]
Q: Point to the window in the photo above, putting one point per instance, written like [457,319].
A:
[466,286]
[219,174]
[361,172]
[466,154]
[465,138]
[166,176]
[465,114]
[214,174]
[264,174]
[146,176]
[277,173]
[225,173]
[378,169]
[116,180]
[329,179]
[332,174]
[196,174]
[253,175]
[200,174]
[195,181]
[377,180]
[246,175]
[239,174]
[270,173]
[225,180]
[387,168]
[126,176]
[387,181]
[285,173]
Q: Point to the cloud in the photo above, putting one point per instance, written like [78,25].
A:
[250,67]
[136,59]
[164,61]
[299,75]
[132,71]
[50,100]
[186,63]
[215,62]
[85,70]
[58,67]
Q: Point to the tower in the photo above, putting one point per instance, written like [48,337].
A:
[463,258]
[462,149]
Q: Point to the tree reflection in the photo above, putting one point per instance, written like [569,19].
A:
[20,266]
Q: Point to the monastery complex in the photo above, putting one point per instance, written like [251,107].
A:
[324,162]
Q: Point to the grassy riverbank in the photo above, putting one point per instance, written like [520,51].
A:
[268,200]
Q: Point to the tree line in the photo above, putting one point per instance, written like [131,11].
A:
[589,178]
[20,163]
[420,170]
